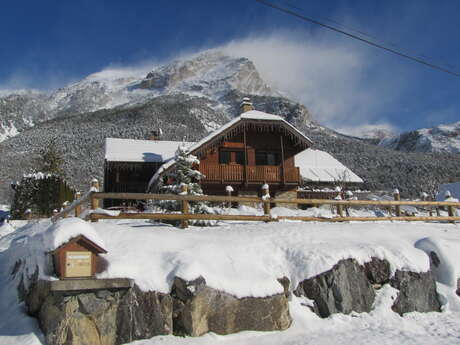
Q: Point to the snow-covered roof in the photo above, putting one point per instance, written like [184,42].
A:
[249,115]
[130,150]
[320,166]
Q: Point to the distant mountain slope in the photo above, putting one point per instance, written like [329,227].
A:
[442,138]
[82,136]
[211,74]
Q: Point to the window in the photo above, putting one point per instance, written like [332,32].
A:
[239,157]
[231,157]
[224,157]
[267,158]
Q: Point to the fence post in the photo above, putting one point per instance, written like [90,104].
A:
[185,207]
[77,208]
[28,214]
[397,197]
[339,206]
[450,209]
[64,205]
[424,197]
[229,190]
[94,201]
[266,199]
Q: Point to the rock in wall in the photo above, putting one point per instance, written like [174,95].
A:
[417,292]
[349,287]
[342,289]
[99,317]
[199,309]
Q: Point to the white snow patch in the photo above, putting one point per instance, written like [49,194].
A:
[130,150]
[320,166]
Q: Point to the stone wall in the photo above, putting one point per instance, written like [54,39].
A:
[115,311]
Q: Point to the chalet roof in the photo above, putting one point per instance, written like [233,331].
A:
[320,166]
[254,117]
[130,150]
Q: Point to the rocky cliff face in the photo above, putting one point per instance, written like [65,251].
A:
[212,75]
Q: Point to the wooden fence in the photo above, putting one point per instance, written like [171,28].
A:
[93,197]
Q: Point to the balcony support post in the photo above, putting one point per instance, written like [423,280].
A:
[283,175]
[245,170]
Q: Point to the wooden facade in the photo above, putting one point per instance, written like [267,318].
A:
[249,153]
[123,177]
[251,157]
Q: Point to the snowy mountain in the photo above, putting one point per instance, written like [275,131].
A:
[213,75]
[186,98]
[442,138]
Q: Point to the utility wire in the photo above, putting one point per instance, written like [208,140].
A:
[341,26]
[377,45]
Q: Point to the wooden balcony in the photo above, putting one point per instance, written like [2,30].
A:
[255,173]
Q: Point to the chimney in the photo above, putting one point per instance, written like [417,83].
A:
[246,105]
[155,135]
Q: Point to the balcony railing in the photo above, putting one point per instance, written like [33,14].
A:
[255,173]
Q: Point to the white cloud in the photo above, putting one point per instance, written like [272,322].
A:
[370,130]
[342,83]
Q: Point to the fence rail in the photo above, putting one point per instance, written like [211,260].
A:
[341,206]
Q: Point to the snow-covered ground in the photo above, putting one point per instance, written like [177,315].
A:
[245,259]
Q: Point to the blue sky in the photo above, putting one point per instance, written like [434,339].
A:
[346,84]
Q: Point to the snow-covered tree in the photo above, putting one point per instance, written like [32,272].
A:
[183,179]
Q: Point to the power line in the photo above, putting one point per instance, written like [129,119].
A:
[377,45]
[341,26]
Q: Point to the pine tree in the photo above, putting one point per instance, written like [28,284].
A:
[183,174]
[50,159]
[44,189]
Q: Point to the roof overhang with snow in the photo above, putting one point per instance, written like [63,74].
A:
[250,119]
[319,166]
[144,151]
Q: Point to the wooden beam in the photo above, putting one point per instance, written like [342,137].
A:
[283,175]
[368,219]
[245,177]
[178,216]
[148,196]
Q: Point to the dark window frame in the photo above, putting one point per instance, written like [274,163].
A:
[263,157]
[232,156]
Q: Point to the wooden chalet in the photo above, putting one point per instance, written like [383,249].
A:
[253,149]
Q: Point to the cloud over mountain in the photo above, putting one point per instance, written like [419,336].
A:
[342,83]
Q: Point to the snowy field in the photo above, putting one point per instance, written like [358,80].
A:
[245,259]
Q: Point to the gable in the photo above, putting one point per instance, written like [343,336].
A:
[253,121]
